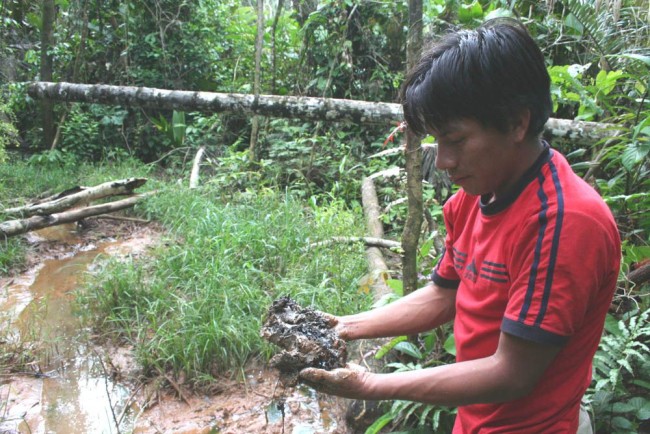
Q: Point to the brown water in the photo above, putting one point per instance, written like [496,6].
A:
[70,388]
[67,389]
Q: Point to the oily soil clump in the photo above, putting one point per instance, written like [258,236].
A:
[306,337]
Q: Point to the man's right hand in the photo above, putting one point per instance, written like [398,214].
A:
[337,324]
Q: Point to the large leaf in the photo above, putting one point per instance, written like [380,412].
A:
[410,349]
[450,345]
[634,153]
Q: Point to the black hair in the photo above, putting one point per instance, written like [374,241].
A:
[489,74]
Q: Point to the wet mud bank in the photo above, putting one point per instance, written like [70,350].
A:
[76,386]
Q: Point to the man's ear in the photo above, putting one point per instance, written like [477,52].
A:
[520,125]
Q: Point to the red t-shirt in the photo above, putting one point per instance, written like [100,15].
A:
[541,265]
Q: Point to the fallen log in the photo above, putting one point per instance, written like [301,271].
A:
[78,195]
[368,241]
[328,109]
[378,271]
[16,227]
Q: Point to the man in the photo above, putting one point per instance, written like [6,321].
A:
[532,252]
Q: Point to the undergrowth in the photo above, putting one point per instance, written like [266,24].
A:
[196,306]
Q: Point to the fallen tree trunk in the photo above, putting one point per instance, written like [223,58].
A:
[267,105]
[78,195]
[17,227]
[377,269]
[368,241]
[327,109]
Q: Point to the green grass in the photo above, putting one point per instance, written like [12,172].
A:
[197,305]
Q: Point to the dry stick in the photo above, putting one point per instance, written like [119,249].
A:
[184,148]
[127,404]
[194,176]
[175,386]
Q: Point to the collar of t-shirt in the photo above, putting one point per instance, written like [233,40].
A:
[491,207]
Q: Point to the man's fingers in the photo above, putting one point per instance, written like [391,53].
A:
[331,320]
[312,375]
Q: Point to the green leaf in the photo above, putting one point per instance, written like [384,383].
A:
[572,22]
[377,425]
[389,346]
[450,345]
[622,407]
[641,407]
[644,59]
[633,154]
[606,81]
[410,349]
[498,13]
[577,153]
[178,126]
[611,325]
[426,247]
[622,423]
[396,285]
[470,12]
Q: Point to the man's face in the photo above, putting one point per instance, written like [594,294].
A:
[481,160]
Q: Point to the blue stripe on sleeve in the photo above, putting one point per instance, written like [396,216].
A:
[554,246]
[543,222]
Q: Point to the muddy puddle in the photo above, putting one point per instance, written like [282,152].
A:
[76,387]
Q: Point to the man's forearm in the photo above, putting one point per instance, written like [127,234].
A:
[511,373]
[422,310]
[477,381]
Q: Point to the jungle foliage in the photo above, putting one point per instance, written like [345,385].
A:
[598,59]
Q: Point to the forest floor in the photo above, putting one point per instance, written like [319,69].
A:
[53,393]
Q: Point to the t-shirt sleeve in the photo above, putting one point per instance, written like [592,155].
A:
[445,275]
[558,268]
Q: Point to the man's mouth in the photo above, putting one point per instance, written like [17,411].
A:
[457,179]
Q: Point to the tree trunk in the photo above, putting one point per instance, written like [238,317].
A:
[332,110]
[47,42]
[413,165]
[274,28]
[325,109]
[255,122]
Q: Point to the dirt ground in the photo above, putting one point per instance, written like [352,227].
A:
[252,403]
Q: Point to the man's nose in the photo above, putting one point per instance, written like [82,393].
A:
[445,160]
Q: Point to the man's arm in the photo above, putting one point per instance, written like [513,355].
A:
[422,310]
[511,373]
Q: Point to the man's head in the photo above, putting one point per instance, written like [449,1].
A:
[492,75]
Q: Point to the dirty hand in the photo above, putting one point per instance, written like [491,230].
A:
[335,323]
[349,382]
